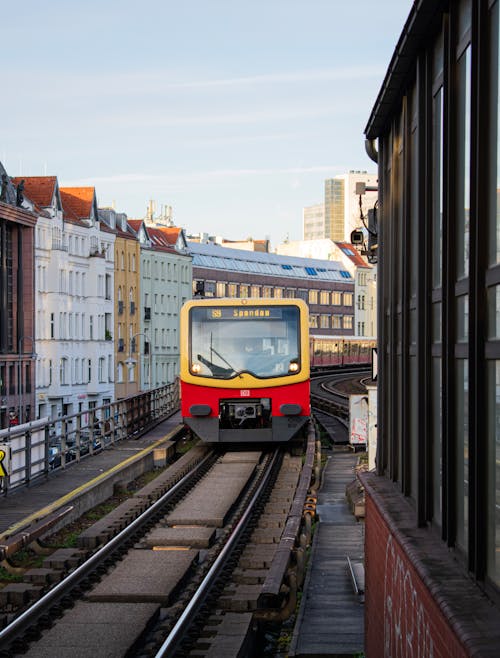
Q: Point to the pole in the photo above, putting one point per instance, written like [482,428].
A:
[19,378]
[150,367]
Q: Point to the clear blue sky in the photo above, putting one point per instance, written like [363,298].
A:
[233,112]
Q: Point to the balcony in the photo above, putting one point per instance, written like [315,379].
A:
[95,253]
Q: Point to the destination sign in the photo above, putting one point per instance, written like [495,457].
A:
[247,313]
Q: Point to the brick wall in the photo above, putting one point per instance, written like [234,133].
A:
[420,600]
[401,618]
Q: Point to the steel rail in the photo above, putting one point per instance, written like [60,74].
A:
[175,636]
[41,607]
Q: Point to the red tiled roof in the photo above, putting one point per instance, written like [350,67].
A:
[352,253]
[159,238]
[77,201]
[107,229]
[135,224]
[40,189]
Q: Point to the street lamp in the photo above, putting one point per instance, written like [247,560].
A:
[131,362]
[20,370]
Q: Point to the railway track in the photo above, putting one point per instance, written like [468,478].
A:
[142,589]
[330,393]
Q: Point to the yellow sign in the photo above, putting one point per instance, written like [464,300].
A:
[4,461]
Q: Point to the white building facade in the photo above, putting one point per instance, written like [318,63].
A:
[313,222]
[74,272]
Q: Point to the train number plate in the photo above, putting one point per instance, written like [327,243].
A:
[244,393]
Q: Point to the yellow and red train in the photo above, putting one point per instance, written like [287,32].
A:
[339,351]
[245,369]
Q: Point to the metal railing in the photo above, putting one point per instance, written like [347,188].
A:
[33,449]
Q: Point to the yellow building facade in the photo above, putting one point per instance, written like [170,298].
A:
[127,321]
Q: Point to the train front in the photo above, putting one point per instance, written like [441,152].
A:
[245,369]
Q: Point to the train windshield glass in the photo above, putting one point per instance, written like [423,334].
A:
[260,340]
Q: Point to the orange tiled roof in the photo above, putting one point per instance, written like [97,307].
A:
[77,201]
[40,189]
[171,233]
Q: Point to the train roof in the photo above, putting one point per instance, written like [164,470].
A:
[213,256]
[367,339]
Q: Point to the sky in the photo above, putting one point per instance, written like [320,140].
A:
[232,112]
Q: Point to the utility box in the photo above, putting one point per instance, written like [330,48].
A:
[358,421]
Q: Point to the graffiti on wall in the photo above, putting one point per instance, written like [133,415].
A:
[406,624]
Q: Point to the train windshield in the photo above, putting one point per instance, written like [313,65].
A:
[261,340]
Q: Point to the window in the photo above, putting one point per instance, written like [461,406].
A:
[221,289]
[262,342]
[313,297]
[63,371]
[461,246]
[109,287]
[347,321]
[336,298]
[324,297]
[348,299]
[324,321]
[102,369]
[493,304]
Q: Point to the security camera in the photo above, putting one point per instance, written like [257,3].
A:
[357,237]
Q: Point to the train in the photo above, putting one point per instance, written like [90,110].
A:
[245,369]
[340,351]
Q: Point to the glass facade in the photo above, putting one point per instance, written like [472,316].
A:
[439,294]
[493,304]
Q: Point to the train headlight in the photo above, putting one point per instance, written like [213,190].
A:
[195,368]
[293,367]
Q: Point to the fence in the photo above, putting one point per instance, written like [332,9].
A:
[33,449]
